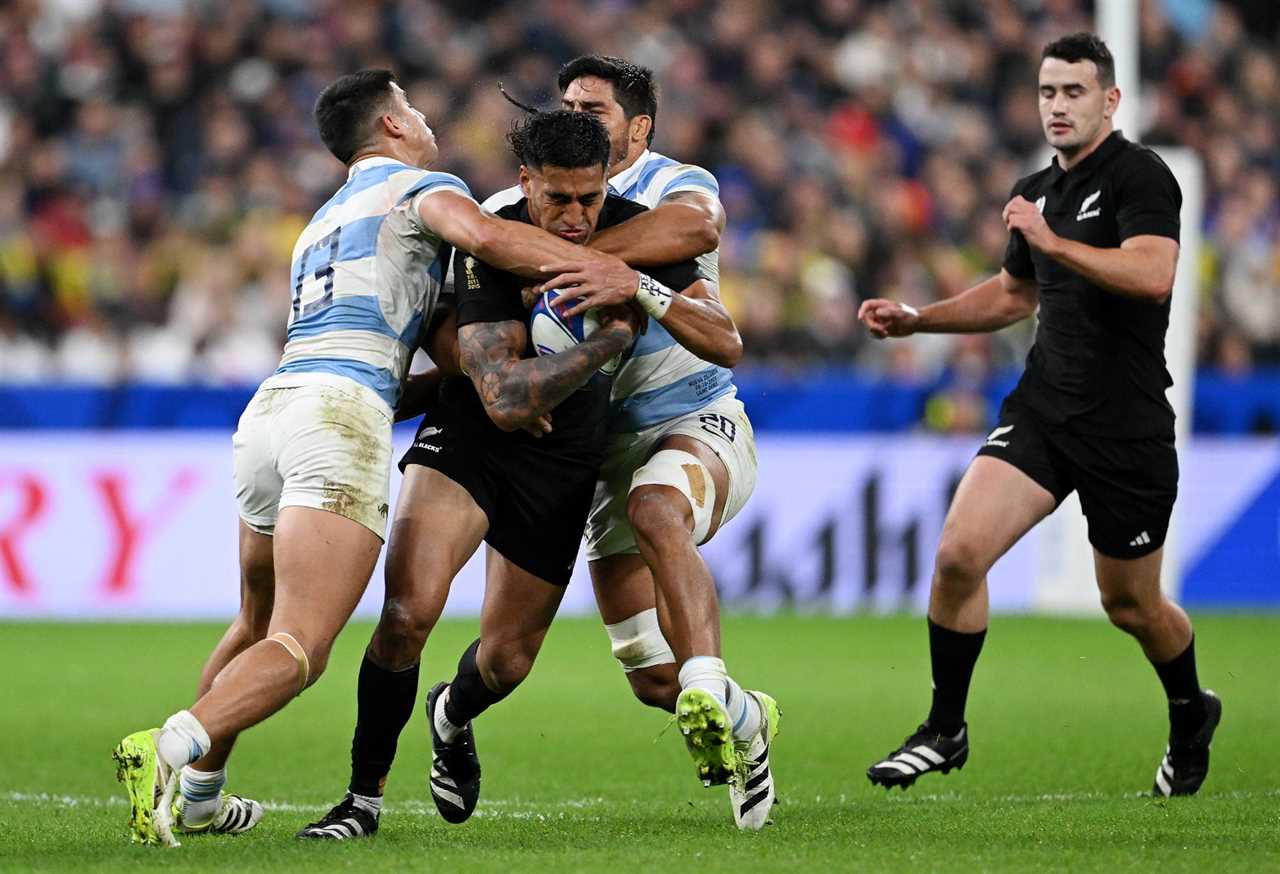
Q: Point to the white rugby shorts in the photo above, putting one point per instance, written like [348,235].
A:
[313,440]
[721,425]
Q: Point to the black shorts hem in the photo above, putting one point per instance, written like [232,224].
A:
[1039,477]
[538,566]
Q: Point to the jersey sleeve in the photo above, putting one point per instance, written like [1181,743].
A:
[483,293]
[686,177]
[676,277]
[1017,253]
[1148,199]
[505,197]
[426,184]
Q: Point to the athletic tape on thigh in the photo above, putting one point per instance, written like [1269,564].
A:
[685,472]
[638,642]
[289,642]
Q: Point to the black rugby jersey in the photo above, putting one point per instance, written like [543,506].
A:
[1098,361]
[483,293]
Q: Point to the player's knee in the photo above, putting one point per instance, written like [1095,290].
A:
[656,686]
[1129,614]
[504,666]
[658,513]
[402,631]
[958,565]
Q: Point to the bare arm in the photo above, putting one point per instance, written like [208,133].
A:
[516,391]
[990,305]
[507,245]
[700,323]
[683,225]
[1142,268]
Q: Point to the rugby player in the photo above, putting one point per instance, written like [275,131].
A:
[472,476]
[312,451]
[681,461]
[1094,243]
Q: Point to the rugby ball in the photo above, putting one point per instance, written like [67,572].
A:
[551,332]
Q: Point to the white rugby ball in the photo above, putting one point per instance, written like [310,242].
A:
[551,332]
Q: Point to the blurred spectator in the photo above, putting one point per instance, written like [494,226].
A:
[158,158]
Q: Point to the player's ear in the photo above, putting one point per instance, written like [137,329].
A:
[640,127]
[524,180]
[1112,102]
[390,126]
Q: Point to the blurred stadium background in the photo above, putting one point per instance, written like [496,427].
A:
[158,158]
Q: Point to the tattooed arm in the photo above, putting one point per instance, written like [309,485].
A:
[516,390]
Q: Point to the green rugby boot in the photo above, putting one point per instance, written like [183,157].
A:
[707,735]
[151,785]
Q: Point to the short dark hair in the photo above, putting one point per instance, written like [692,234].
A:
[1082,46]
[561,139]
[346,108]
[633,85]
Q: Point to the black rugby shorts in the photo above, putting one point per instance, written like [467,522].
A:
[1127,486]
[536,501]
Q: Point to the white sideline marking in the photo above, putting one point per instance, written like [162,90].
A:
[1233,795]
[507,808]
[513,808]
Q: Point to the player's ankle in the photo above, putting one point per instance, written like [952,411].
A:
[182,740]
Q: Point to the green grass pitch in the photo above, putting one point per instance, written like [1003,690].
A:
[1067,722]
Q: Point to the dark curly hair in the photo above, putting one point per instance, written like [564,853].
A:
[560,139]
[1083,46]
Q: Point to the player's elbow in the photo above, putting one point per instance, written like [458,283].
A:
[729,352]
[505,421]
[1160,286]
[705,233]
[483,237]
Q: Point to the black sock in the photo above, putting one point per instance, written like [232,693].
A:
[384,704]
[468,695]
[1182,686]
[953,655]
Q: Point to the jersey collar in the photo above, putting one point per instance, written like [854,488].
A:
[367,163]
[1108,147]
[627,177]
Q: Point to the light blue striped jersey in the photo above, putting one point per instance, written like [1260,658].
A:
[366,273]
[659,379]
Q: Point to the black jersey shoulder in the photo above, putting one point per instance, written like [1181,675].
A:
[1116,157]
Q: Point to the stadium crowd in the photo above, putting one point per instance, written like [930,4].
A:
[158,158]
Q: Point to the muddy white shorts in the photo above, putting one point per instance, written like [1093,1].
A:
[722,425]
[313,440]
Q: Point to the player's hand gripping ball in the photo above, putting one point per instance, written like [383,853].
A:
[552,332]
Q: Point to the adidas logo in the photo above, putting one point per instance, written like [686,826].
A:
[1141,540]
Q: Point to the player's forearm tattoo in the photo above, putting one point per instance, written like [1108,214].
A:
[517,390]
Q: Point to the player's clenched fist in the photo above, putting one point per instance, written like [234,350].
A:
[1021,214]
[887,318]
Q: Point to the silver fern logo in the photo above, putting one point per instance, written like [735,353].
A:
[1085,212]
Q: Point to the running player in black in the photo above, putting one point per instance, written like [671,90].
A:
[1094,243]
[509,456]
